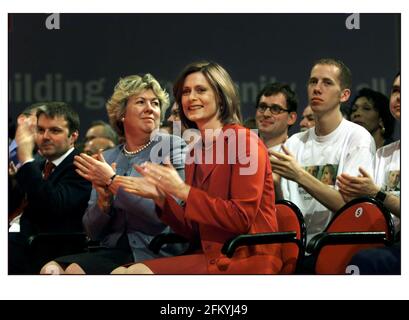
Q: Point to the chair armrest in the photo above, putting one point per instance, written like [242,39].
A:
[231,245]
[165,238]
[342,238]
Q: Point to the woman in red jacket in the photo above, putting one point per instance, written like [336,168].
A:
[228,190]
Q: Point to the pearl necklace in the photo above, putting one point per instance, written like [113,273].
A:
[132,153]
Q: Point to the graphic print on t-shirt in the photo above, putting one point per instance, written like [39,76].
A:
[392,181]
[326,173]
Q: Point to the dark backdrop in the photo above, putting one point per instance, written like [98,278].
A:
[81,62]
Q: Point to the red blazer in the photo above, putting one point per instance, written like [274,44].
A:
[227,203]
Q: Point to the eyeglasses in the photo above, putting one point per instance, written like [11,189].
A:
[274,109]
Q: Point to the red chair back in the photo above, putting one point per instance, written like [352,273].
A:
[362,214]
[290,218]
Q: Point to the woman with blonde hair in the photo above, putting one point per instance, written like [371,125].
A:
[125,223]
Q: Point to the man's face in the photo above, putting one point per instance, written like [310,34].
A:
[324,88]
[95,132]
[273,124]
[53,138]
[93,146]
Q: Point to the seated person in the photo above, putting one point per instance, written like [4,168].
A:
[370,109]
[334,145]
[384,260]
[124,223]
[55,195]
[97,144]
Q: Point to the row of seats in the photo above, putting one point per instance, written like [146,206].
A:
[362,223]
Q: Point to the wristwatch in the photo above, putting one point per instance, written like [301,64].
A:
[380,196]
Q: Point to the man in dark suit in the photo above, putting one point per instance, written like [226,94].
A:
[55,195]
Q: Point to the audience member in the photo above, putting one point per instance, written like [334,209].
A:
[124,223]
[276,111]
[370,109]
[101,129]
[95,145]
[333,141]
[308,120]
[28,114]
[56,196]
[387,165]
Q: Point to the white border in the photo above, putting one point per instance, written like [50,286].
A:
[197,287]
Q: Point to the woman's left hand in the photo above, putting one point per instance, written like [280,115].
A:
[354,187]
[98,171]
[165,178]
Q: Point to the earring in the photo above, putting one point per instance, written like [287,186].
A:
[382,130]
[123,119]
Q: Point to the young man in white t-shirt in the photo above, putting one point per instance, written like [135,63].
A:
[312,159]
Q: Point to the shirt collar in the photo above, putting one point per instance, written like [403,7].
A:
[56,162]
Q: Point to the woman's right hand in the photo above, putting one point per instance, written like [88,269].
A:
[97,171]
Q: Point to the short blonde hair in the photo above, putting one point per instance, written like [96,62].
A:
[129,86]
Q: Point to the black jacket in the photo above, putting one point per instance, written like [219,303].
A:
[56,204]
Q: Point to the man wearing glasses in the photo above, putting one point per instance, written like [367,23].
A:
[333,141]
[276,111]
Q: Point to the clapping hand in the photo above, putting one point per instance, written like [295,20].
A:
[165,178]
[25,135]
[353,187]
[285,165]
[94,169]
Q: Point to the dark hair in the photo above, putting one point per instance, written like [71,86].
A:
[223,86]
[394,78]
[275,88]
[165,122]
[345,75]
[332,171]
[109,132]
[60,109]
[381,104]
